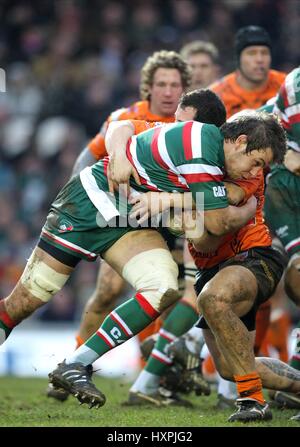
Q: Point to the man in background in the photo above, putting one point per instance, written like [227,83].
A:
[253,82]
[202,57]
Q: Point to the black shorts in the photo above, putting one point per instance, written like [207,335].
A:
[267,265]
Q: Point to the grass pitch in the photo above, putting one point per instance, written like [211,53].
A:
[23,403]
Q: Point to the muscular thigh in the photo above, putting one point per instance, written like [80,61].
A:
[234,285]
[130,245]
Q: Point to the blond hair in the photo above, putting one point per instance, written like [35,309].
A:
[200,46]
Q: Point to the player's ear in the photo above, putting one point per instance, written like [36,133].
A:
[241,142]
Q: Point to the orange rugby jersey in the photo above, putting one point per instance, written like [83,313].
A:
[236,98]
[254,234]
[137,111]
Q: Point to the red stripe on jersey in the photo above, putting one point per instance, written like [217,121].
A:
[286,124]
[59,242]
[187,140]
[195,178]
[294,119]
[120,325]
[105,339]
[172,177]
[146,306]
[142,180]
[293,246]
[105,165]
[160,359]
[166,337]
[155,151]
[5,318]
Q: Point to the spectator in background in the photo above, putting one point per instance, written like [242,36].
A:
[202,57]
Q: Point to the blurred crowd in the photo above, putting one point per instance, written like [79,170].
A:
[68,64]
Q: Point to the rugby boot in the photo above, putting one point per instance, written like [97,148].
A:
[76,379]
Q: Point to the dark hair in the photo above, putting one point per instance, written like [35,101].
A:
[251,35]
[209,107]
[262,129]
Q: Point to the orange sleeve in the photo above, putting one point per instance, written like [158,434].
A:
[97,146]
[141,126]
[250,186]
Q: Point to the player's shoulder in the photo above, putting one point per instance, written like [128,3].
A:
[211,137]
[136,110]
[226,81]
[277,77]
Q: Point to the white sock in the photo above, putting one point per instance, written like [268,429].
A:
[82,355]
[227,389]
[146,383]
[194,340]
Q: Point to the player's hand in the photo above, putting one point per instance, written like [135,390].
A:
[292,161]
[252,205]
[144,206]
[119,172]
[235,193]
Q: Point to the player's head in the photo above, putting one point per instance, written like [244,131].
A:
[252,142]
[202,57]
[164,77]
[253,53]
[201,105]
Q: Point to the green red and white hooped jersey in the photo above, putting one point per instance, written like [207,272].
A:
[177,157]
[287,107]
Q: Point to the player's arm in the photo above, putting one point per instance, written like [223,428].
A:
[94,151]
[119,169]
[292,161]
[84,159]
[151,203]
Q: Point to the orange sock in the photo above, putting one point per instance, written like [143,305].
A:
[208,365]
[79,341]
[250,386]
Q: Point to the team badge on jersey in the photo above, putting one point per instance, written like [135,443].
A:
[219,191]
[65,226]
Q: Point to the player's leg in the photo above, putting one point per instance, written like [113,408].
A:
[274,373]
[181,318]
[108,289]
[43,276]
[145,262]
[234,292]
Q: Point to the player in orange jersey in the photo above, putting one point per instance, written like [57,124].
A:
[250,86]
[253,83]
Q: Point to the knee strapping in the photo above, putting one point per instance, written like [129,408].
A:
[41,280]
[154,274]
